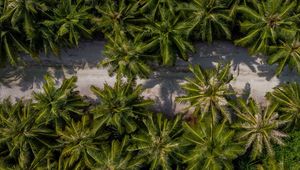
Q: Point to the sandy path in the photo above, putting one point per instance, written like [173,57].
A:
[251,73]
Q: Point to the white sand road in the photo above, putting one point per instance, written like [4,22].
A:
[251,73]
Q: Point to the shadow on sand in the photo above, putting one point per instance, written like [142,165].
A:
[87,55]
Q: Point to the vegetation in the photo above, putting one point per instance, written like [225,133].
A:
[286,54]
[287,96]
[60,129]
[170,35]
[119,106]
[154,29]
[267,22]
[126,57]
[212,147]
[158,141]
[259,128]
[210,19]
[289,154]
[208,92]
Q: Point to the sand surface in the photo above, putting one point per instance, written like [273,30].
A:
[251,73]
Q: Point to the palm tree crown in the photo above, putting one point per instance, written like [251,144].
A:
[158,142]
[266,22]
[79,142]
[208,90]
[210,147]
[24,13]
[170,35]
[69,20]
[115,156]
[21,139]
[259,128]
[210,18]
[120,106]
[117,16]
[56,103]
[127,57]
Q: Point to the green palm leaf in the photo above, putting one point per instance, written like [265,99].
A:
[118,16]
[115,156]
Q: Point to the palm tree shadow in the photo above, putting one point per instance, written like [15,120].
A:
[223,51]
[31,76]
[246,91]
[167,84]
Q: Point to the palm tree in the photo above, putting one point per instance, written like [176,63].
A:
[69,20]
[158,141]
[170,37]
[266,22]
[208,91]
[127,57]
[117,16]
[115,156]
[23,13]
[27,16]
[210,147]
[120,106]
[58,103]
[21,139]
[259,128]
[286,54]
[288,97]
[210,18]
[78,141]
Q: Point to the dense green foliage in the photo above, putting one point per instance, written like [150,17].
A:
[258,127]
[267,23]
[289,154]
[60,129]
[119,106]
[213,147]
[152,30]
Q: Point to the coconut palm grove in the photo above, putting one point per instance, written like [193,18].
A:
[59,128]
